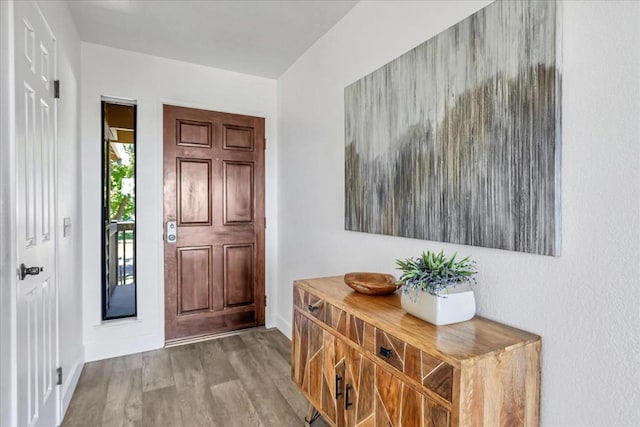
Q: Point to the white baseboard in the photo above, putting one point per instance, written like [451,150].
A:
[269,321]
[69,386]
[106,350]
[284,325]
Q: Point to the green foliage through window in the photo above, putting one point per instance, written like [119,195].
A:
[121,195]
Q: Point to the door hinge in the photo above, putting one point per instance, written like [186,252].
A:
[265,300]
[265,143]
[56,89]
[265,222]
[59,372]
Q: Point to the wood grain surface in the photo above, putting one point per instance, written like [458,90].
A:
[396,370]
[214,191]
[240,381]
[371,283]
[478,337]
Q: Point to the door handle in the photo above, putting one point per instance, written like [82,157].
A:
[347,389]
[338,392]
[29,271]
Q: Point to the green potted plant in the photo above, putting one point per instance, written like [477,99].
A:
[428,283]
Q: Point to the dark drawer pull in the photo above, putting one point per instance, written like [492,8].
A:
[338,392]
[386,352]
[314,307]
[346,396]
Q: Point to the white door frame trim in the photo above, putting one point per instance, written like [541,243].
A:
[8,278]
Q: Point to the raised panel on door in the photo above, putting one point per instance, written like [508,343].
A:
[238,138]
[46,166]
[238,275]
[238,192]
[40,317]
[48,316]
[194,279]
[31,359]
[194,192]
[29,166]
[194,134]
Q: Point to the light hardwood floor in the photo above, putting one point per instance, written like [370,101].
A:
[240,380]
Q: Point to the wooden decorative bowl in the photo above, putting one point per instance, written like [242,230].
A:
[371,283]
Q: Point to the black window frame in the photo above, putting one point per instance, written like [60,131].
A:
[105,208]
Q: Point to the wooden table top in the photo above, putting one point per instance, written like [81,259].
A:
[475,338]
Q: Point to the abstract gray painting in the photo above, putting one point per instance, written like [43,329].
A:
[458,140]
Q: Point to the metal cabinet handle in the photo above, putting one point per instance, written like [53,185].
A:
[338,392]
[347,389]
[386,352]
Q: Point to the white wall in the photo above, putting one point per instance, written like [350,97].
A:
[586,303]
[69,249]
[153,81]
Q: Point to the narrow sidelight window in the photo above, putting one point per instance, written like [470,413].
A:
[118,209]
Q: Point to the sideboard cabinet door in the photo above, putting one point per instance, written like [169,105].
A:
[315,369]
[350,388]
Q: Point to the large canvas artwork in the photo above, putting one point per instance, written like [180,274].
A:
[458,140]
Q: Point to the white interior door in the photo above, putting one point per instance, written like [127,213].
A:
[37,308]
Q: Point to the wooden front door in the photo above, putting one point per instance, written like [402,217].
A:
[214,194]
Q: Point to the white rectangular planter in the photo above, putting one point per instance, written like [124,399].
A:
[456,307]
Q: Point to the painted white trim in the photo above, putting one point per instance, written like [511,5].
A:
[8,378]
[284,325]
[99,350]
[119,101]
[56,215]
[69,386]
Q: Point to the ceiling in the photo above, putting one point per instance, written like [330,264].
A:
[262,38]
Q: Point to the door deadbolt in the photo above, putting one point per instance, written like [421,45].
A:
[29,271]
[172,232]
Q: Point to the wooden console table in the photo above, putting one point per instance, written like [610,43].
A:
[363,361]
